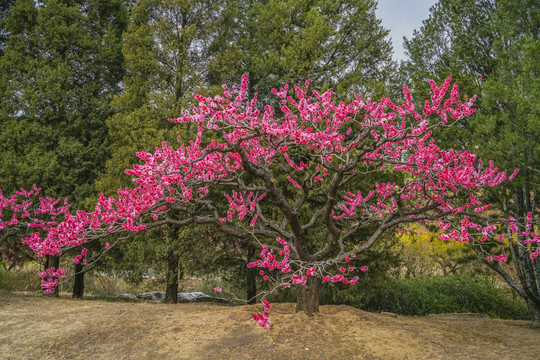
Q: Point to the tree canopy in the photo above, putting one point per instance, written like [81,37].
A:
[305,221]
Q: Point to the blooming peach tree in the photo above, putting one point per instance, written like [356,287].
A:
[311,183]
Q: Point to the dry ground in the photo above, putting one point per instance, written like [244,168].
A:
[35,327]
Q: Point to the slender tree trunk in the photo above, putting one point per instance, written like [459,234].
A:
[251,276]
[173,260]
[78,286]
[53,262]
[307,299]
[534,313]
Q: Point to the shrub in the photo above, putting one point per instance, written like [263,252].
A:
[451,294]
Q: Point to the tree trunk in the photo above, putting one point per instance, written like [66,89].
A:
[78,286]
[171,293]
[53,262]
[534,313]
[307,299]
[251,277]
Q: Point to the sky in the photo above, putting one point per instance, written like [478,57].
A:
[402,17]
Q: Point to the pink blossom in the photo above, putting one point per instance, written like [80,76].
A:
[262,319]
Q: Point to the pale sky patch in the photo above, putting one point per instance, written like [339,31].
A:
[402,17]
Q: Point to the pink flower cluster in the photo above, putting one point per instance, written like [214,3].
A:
[270,261]
[262,319]
[49,285]
[243,203]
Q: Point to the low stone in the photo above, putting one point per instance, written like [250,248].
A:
[159,295]
[193,297]
[199,297]
[147,296]
[472,315]
[220,300]
[182,297]
[127,296]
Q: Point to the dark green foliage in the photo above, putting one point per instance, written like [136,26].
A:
[164,59]
[438,295]
[455,41]
[339,44]
[5,9]
[61,66]
[510,112]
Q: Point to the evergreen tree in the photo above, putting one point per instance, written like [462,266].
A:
[511,115]
[5,8]
[456,40]
[62,64]
[165,50]
[498,42]
[338,44]
[164,58]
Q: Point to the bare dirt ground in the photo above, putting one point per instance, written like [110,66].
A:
[35,327]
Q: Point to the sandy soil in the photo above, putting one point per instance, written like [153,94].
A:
[35,327]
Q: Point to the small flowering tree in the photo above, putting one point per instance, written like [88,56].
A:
[297,183]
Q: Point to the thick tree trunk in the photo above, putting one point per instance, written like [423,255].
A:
[251,277]
[307,299]
[78,286]
[53,262]
[171,293]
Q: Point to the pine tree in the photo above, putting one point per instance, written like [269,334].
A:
[511,115]
[62,64]
[338,44]
[492,48]
[5,9]
[456,41]
[164,49]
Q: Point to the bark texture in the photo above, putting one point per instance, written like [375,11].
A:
[251,277]
[308,296]
[78,285]
[173,261]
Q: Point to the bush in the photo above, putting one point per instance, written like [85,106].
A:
[24,279]
[5,281]
[451,294]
